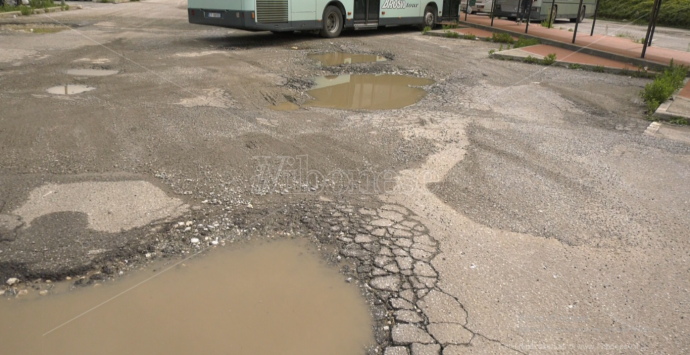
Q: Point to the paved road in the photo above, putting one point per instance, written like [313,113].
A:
[534,213]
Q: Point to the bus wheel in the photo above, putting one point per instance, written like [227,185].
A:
[429,17]
[332,22]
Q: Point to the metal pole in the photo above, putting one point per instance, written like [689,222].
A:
[594,21]
[529,13]
[577,20]
[493,11]
[467,7]
[656,18]
[649,28]
[553,18]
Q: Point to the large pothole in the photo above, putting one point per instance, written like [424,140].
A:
[370,92]
[270,298]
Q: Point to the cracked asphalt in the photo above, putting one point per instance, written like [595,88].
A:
[514,209]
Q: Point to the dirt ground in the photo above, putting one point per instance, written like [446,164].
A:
[544,220]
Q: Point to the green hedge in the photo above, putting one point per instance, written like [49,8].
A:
[673,12]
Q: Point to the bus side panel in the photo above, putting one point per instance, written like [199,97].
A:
[302,10]
[401,12]
[220,4]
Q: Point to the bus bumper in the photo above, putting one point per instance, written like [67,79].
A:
[243,20]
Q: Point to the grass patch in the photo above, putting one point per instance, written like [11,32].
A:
[426,29]
[547,23]
[673,12]
[525,42]
[599,69]
[492,51]
[502,38]
[679,121]
[574,66]
[532,60]
[469,36]
[450,27]
[663,87]
[451,34]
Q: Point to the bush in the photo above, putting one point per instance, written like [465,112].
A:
[25,10]
[663,86]
[531,60]
[549,59]
[502,38]
[38,4]
[673,12]
[525,42]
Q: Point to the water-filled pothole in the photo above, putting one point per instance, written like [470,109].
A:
[372,92]
[91,72]
[284,106]
[275,298]
[69,89]
[330,59]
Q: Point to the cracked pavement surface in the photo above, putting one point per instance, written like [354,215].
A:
[519,210]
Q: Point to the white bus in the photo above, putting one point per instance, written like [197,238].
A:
[329,17]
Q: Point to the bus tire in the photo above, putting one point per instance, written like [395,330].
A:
[332,22]
[429,17]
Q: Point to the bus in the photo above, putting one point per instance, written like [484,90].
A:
[328,17]
[542,8]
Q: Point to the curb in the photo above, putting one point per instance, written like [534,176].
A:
[662,111]
[576,66]
[12,14]
[595,52]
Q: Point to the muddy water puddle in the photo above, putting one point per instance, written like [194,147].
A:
[371,92]
[275,298]
[91,72]
[69,89]
[331,59]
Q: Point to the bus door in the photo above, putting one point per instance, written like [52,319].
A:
[366,13]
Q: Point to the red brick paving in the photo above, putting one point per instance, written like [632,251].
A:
[686,91]
[566,55]
[616,45]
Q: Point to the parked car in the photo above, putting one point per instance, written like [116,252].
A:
[476,6]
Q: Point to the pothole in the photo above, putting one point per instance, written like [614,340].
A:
[284,106]
[331,59]
[110,206]
[92,72]
[275,298]
[69,89]
[371,92]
